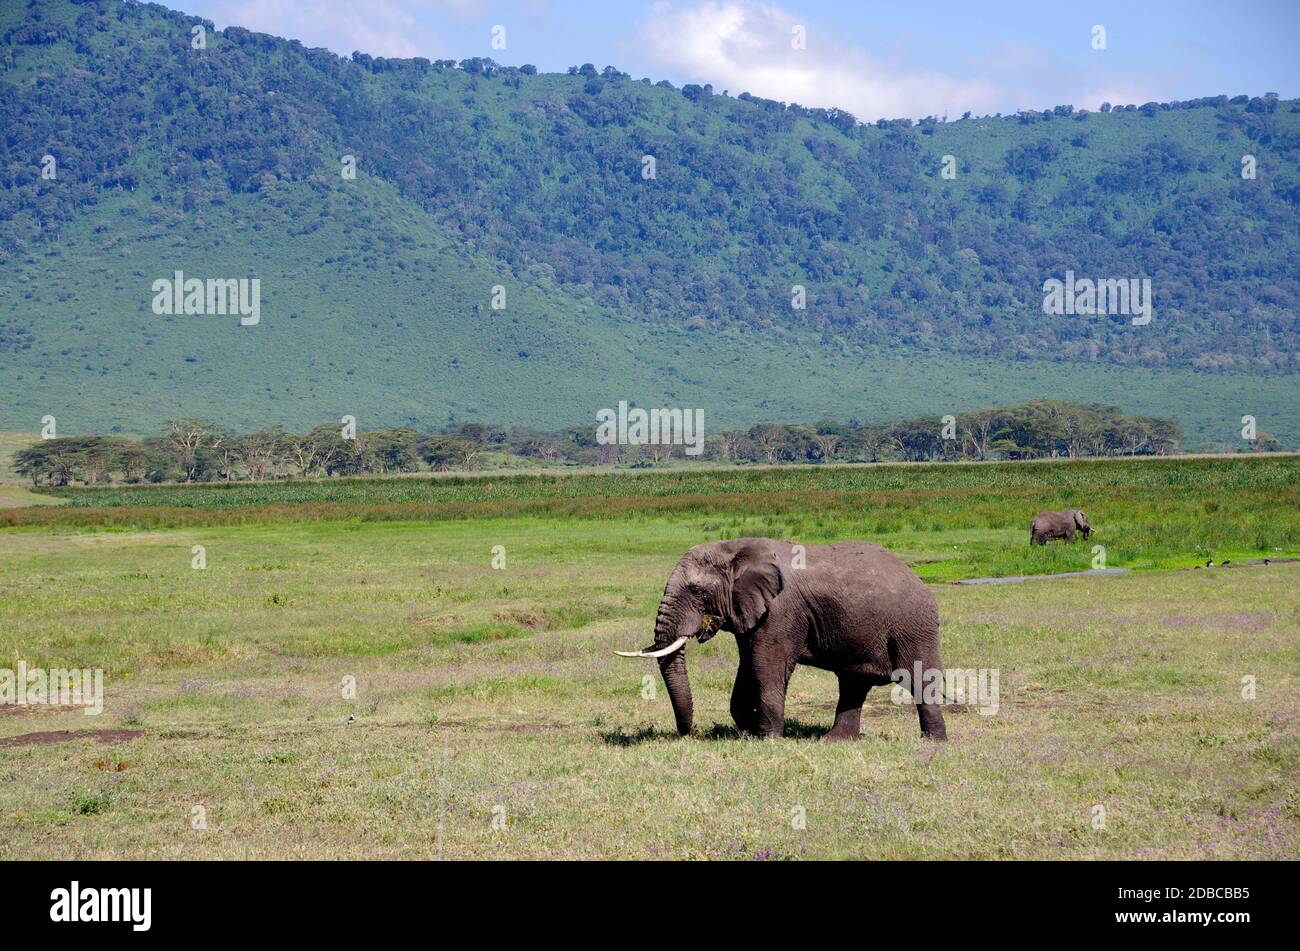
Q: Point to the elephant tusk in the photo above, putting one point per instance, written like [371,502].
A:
[662,652]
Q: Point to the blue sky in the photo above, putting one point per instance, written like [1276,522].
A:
[874,59]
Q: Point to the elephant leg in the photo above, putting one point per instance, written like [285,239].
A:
[744,696]
[932,721]
[772,670]
[848,712]
[930,712]
[771,710]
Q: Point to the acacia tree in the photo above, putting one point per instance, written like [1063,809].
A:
[976,431]
[393,450]
[770,440]
[1167,435]
[65,459]
[1134,435]
[917,440]
[728,444]
[49,459]
[352,456]
[332,449]
[827,437]
[440,452]
[1264,442]
[1082,427]
[259,452]
[869,442]
[98,457]
[188,439]
[305,452]
[134,459]
[827,444]
[655,450]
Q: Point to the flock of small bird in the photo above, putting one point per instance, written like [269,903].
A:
[1209,563]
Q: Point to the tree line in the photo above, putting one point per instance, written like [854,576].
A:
[204,451]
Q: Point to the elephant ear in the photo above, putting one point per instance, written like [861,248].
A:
[756,580]
[1080,520]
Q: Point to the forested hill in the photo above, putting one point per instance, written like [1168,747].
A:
[641,235]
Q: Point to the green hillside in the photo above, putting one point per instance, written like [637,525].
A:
[924,295]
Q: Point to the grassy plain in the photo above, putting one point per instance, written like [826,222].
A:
[487,694]
[949,521]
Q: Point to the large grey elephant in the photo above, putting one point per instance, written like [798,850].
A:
[1047,526]
[850,608]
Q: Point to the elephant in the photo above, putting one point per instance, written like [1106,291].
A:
[1049,525]
[851,608]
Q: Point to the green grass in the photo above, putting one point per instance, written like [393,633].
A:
[950,521]
[1121,691]
[15,496]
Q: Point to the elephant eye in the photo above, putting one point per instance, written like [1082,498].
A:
[697,589]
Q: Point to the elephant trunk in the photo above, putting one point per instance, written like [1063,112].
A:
[668,628]
[673,667]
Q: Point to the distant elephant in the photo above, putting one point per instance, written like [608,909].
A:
[1049,525]
[850,608]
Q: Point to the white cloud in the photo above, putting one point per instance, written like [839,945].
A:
[746,46]
[737,45]
[377,27]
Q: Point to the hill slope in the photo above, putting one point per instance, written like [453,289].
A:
[924,294]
